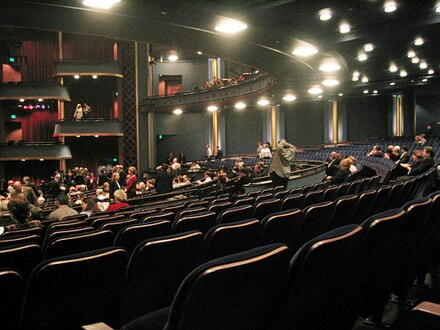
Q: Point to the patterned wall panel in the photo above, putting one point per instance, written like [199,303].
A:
[128,60]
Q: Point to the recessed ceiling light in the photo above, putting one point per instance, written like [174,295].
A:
[330,82]
[415,60]
[212,108]
[364,79]
[23,160]
[340,94]
[173,58]
[393,67]
[437,8]
[21,100]
[392,83]
[423,65]
[366,91]
[325,14]
[289,97]
[320,97]
[375,91]
[76,76]
[41,159]
[315,90]
[389,6]
[411,53]
[177,111]
[304,51]
[103,4]
[230,26]
[403,73]
[355,78]
[199,52]
[356,74]
[344,28]
[329,66]
[418,41]
[368,47]
[95,76]
[96,136]
[431,71]
[78,136]
[240,105]
[362,57]
[40,100]
[425,80]
[263,102]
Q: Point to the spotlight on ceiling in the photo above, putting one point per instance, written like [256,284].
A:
[375,91]
[173,58]
[240,105]
[344,28]
[330,82]
[76,76]
[424,80]
[366,91]
[423,65]
[325,14]
[212,108]
[289,97]
[355,78]
[362,57]
[40,100]
[393,67]
[437,7]
[389,6]
[315,90]
[95,76]
[418,41]
[431,71]
[177,111]
[392,83]
[329,66]
[304,51]
[364,79]
[415,60]
[411,53]
[263,102]
[102,4]
[230,26]
[403,73]
[199,52]
[368,47]
[340,94]
[356,74]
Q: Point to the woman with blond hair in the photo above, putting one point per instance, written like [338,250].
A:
[120,198]
[131,181]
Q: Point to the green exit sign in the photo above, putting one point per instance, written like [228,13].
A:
[13,117]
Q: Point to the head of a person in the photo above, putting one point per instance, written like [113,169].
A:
[352,160]
[345,163]
[417,155]
[99,192]
[428,152]
[132,170]
[26,179]
[18,186]
[396,150]
[62,199]
[106,186]
[120,195]
[20,209]
[115,176]
[89,204]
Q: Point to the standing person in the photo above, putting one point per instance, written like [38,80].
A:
[265,152]
[130,187]
[86,110]
[79,112]
[164,181]
[279,169]
[208,152]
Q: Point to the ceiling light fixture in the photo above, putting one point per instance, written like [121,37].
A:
[393,67]
[240,105]
[330,82]
[212,108]
[415,60]
[368,47]
[320,97]
[431,71]
[177,111]
[173,58]
[364,79]
[199,52]
[21,100]
[325,14]
[344,28]
[437,7]
[403,73]
[389,6]
[424,80]
[329,66]
[230,26]
[103,4]
[375,91]
[366,91]
[340,94]
[355,78]
[263,102]
[289,97]
[95,76]
[304,51]
[356,74]
[362,57]
[76,76]
[423,65]
[411,53]
[40,100]
[315,90]
[418,41]
[392,83]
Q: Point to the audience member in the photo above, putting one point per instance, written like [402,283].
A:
[342,174]
[164,181]
[120,198]
[20,212]
[130,187]
[279,169]
[63,210]
[89,206]
[376,152]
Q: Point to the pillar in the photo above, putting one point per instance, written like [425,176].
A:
[61,103]
[335,129]
[214,131]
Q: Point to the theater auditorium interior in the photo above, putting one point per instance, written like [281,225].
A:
[219,164]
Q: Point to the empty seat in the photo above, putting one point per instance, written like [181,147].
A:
[266,207]
[98,222]
[116,225]
[11,288]
[198,204]
[313,197]
[202,221]
[78,243]
[395,194]
[244,201]
[160,216]
[68,292]
[39,231]
[21,258]
[219,200]
[354,187]
[130,236]
[381,203]
[330,194]
[175,208]
[142,214]
[66,232]
[281,194]
[156,269]
[281,227]
[365,205]
[344,210]
[235,213]
[65,225]
[19,240]
[319,282]
[186,212]
[218,207]
[262,197]
[240,291]
[343,189]
[77,217]
[295,201]
[230,238]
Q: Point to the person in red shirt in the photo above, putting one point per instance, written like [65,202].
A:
[121,200]
[131,181]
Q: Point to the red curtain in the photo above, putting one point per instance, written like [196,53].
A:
[80,47]
[39,126]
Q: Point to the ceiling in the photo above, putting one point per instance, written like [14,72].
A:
[275,27]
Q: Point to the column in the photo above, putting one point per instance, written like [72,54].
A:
[335,130]
[150,115]
[398,113]
[274,126]
[214,131]
[61,103]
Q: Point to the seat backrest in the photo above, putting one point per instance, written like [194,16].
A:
[313,197]
[116,225]
[281,194]
[160,216]
[365,205]
[66,232]
[65,225]
[235,214]
[69,292]
[219,200]
[198,204]
[354,187]
[343,189]
[383,195]
[130,236]
[281,227]
[21,258]
[186,212]
[11,288]
[142,214]
[318,281]
[77,217]
[295,201]
[262,197]
[266,207]
[98,222]
[156,269]
[19,240]
[39,231]
[345,209]
[218,207]
[173,207]
[78,243]
[330,194]
[244,289]
[395,194]
[202,221]
[244,201]
[230,238]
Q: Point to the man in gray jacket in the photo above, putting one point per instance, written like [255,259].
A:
[279,169]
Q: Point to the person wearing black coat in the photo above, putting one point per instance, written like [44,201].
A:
[164,181]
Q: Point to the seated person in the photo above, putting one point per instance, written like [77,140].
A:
[423,162]
[403,157]
[194,167]
[342,174]
[120,198]
[353,161]
[376,152]
[89,206]
[243,178]
[333,166]
[20,212]
[63,210]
